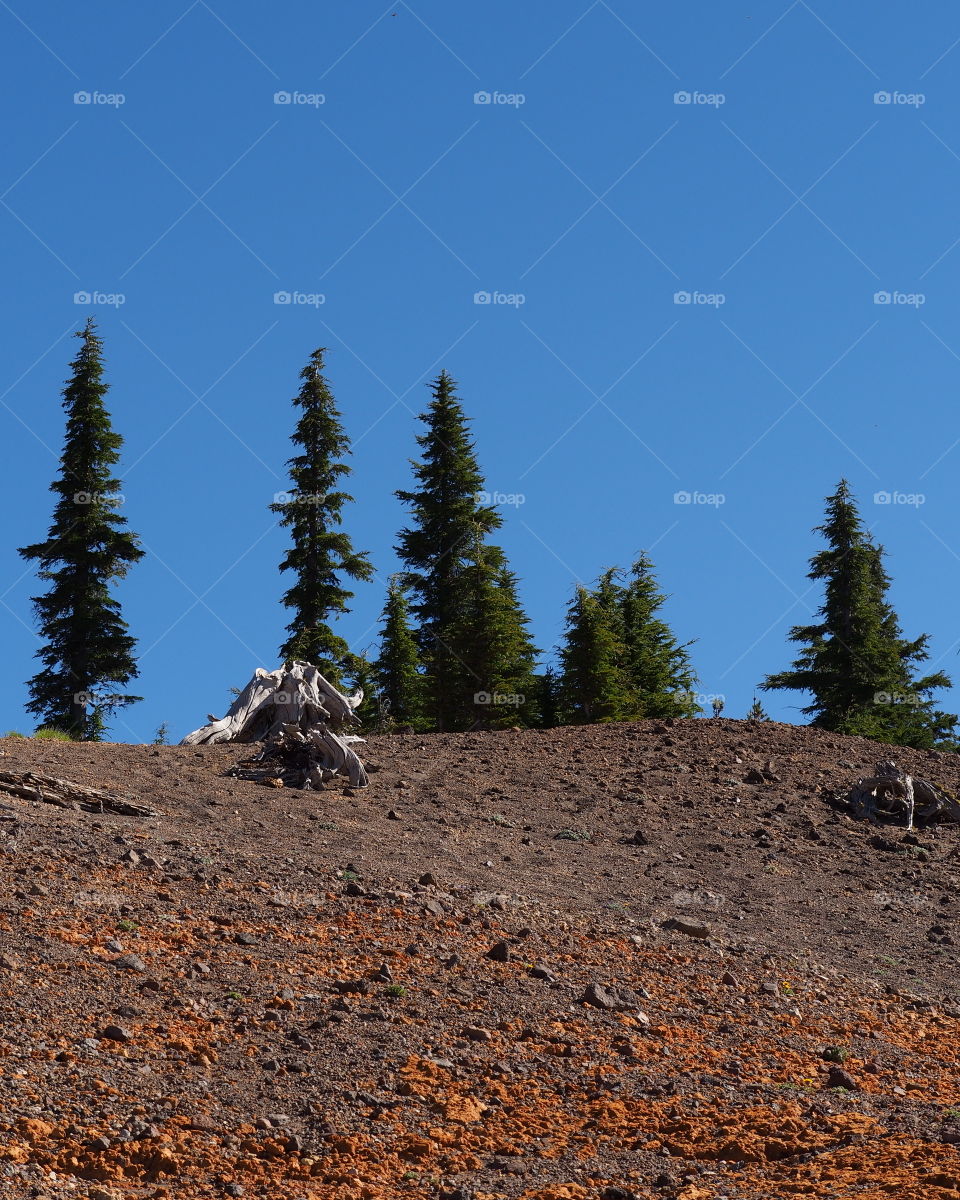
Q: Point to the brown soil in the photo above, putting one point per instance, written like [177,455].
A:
[304,1006]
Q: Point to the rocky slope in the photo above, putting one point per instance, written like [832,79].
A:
[643,960]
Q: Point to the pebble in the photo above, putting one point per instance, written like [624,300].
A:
[693,929]
[598,997]
[130,962]
[116,1033]
[838,1077]
[499,952]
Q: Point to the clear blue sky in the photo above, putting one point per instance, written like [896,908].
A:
[398,198]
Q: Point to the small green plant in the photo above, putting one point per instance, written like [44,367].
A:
[572,835]
[47,734]
[162,736]
[951,1112]
[757,712]
[349,876]
[327,825]
[234,995]
[14,733]
[836,1054]
[127,925]
[395,989]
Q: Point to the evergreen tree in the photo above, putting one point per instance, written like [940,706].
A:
[495,647]
[397,669]
[321,552]
[594,686]
[757,712]
[658,665]
[471,631]
[87,652]
[855,662]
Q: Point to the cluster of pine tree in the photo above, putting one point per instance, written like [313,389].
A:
[455,648]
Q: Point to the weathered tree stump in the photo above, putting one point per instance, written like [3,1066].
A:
[892,793]
[298,715]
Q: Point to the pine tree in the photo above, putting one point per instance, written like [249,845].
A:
[321,552]
[495,646]
[658,665]
[464,596]
[594,685]
[87,652]
[756,711]
[855,662]
[397,668]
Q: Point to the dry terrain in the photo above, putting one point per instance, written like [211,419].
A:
[640,960]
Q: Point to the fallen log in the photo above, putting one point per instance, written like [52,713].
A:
[298,715]
[66,794]
[891,793]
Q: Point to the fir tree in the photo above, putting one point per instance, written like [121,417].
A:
[87,652]
[756,711]
[855,662]
[595,685]
[471,631]
[495,647]
[397,668]
[321,552]
[658,665]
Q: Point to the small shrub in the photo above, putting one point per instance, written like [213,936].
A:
[14,733]
[52,735]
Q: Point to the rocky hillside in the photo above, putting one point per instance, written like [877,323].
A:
[643,960]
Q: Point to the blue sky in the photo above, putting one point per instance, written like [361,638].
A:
[589,167]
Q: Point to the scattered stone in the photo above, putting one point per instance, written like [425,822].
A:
[8,963]
[839,1078]
[693,929]
[728,979]
[598,997]
[393,815]
[617,1193]
[100,1144]
[476,1034]
[245,939]
[542,973]
[116,1033]
[130,962]
[427,880]
[114,946]
[499,952]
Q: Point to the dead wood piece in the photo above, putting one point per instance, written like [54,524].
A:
[62,792]
[298,716]
[891,793]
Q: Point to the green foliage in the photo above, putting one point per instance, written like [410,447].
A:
[320,552]
[51,734]
[855,662]
[472,634]
[756,711]
[162,735]
[14,733]
[620,661]
[595,685]
[87,653]
[397,670]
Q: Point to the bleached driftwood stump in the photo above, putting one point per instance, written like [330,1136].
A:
[299,716]
[890,792]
